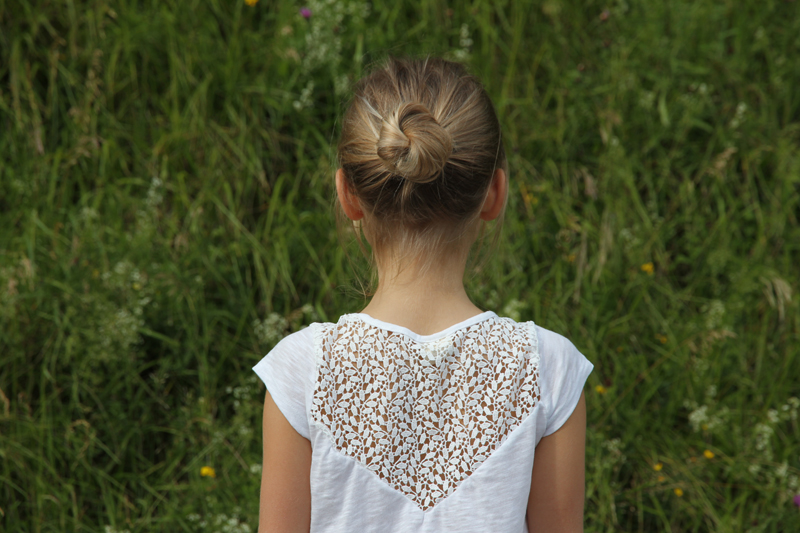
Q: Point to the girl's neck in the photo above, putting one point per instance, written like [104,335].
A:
[426,301]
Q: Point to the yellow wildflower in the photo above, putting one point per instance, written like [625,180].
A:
[661,479]
[657,467]
[207,471]
[251,2]
[709,454]
[600,389]
[529,199]
[661,338]
[648,267]
[678,493]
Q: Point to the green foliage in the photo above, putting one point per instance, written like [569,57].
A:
[165,217]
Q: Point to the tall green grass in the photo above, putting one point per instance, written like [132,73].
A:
[166,216]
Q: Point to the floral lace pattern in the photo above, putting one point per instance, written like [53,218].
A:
[423,416]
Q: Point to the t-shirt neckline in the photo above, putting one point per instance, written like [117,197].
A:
[471,321]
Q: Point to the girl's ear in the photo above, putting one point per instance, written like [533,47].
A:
[495,196]
[347,199]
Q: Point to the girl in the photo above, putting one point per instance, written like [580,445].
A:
[422,412]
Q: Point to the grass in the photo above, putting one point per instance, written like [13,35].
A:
[165,217]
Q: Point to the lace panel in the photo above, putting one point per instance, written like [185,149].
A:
[423,416]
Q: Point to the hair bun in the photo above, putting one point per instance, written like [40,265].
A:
[413,144]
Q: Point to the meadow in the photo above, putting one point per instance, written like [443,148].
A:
[166,216]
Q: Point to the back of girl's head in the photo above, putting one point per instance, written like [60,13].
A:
[420,144]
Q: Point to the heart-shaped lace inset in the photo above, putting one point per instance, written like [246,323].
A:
[423,416]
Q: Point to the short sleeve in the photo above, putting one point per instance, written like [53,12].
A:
[563,371]
[287,371]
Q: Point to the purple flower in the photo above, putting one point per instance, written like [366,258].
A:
[797,500]
[306,13]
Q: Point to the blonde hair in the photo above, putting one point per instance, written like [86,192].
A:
[419,147]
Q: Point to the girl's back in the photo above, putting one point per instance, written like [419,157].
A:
[418,433]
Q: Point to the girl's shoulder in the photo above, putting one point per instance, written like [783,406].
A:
[563,371]
[287,372]
[553,344]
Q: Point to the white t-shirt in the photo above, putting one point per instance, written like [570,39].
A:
[423,433]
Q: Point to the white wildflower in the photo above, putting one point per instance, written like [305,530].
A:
[741,109]
[242,392]
[714,311]
[270,330]
[512,310]
[629,240]
[326,28]
[341,84]
[792,406]
[701,366]
[23,187]
[647,99]
[88,214]
[763,434]
[612,445]
[465,40]
[154,195]
[304,101]
[465,44]
[699,417]
[229,524]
